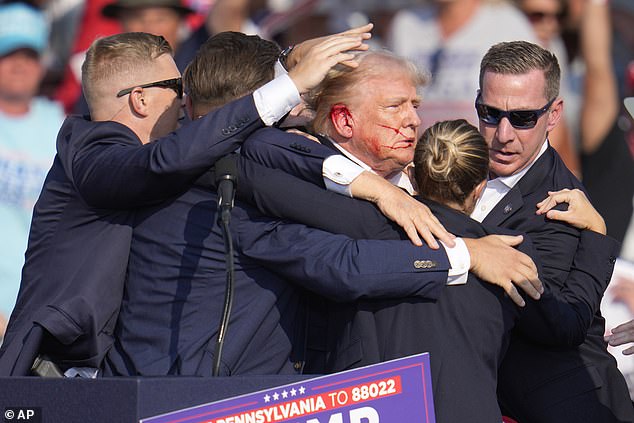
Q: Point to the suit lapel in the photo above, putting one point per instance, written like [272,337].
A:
[513,200]
[506,208]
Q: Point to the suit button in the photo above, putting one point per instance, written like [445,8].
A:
[233,128]
[225,131]
[424,264]
[612,260]
[297,365]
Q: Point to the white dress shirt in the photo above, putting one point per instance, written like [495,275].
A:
[497,188]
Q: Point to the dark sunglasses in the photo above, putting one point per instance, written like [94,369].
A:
[535,17]
[175,84]
[519,119]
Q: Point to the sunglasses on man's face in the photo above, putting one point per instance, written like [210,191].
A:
[175,84]
[519,119]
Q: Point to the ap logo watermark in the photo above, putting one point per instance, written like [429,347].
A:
[23,414]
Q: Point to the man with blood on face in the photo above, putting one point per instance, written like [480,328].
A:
[373,120]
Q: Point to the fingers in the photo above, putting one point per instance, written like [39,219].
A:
[510,240]
[418,222]
[617,339]
[412,233]
[513,294]
[314,67]
[363,29]
[622,334]
[529,287]
[429,227]
[528,276]
[554,198]
[628,351]
[625,327]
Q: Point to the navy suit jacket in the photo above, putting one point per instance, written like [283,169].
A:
[77,254]
[572,313]
[573,384]
[174,294]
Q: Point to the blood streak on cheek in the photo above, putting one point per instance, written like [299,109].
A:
[396,130]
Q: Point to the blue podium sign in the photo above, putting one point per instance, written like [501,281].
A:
[394,391]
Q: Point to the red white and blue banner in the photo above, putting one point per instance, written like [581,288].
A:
[395,391]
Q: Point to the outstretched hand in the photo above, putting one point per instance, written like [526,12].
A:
[580,214]
[310,61]
[494,260]
[622,334]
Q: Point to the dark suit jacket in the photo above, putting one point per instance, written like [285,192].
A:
[72,280]
[572,384]
[581,292]
[173,298]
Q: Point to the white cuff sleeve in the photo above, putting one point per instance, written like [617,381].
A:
[338,173]
[460,262]
[276,98]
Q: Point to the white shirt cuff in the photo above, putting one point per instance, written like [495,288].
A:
[276,98]
[338,173]
[460,262]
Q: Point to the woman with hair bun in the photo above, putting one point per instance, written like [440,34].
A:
[452,164]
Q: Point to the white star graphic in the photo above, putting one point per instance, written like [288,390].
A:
[267,398]
[293,392]
[302,390]
[284,393]
[276,396]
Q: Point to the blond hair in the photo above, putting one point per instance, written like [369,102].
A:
[342,83]
[451,159]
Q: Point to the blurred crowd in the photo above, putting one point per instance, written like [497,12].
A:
[42,45]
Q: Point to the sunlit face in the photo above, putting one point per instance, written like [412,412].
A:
[166,106]
[386,124]
[20,75]
[163,21]
[511,149]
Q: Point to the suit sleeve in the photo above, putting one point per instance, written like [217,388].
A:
[292,153]
[338,267]
[279,194]
[563,316]
[116,172]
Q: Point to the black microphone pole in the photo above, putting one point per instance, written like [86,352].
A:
[226,181]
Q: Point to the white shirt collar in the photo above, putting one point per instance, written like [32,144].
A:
[512,180]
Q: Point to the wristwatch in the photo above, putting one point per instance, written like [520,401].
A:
[283,57]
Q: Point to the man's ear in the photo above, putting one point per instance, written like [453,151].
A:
[556,112]
[342,120]
[139,103]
